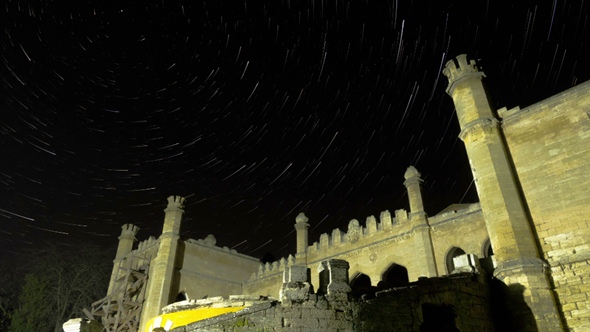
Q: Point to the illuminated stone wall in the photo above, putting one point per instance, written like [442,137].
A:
[462,301]
[205,269]
[550,146]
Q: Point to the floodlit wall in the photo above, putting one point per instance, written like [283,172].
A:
[208,270]
[459,226]
[550,147]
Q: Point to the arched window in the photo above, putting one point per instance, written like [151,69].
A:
[452,253]
[395,276]
[360,284]
[486,248]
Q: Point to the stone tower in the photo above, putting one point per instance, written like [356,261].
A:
[419,221]
[126,240]
[160,280]
[507,221]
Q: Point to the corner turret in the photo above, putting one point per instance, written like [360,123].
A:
[505,215]
[413,183]
[174,212]
[301,227]
[161,278]
[469,93]
[126,240]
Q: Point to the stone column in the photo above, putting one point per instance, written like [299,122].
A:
[507,221]
[419,221]
[334,282]
[161,269]
[126,240]
[301,227]
[296,286]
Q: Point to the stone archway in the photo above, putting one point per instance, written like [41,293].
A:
[394,276]
[360,284]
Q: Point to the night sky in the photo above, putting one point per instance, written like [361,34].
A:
[252,110]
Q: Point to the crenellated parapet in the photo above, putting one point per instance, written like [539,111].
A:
[129,231]
[210,242]
[176,202]
[373,228]
[458,69]
[271,269]
[146,245]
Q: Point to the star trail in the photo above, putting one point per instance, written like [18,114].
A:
[254,110]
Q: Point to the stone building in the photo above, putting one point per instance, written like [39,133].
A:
[527,240]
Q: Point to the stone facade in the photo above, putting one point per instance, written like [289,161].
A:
[530,232]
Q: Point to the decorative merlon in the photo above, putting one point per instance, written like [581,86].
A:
[356,231]
[271,269]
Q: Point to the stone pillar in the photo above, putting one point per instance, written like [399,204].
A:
[334,282]
[296,286]
[126,239]
[419,221]
[301,227]
[161,270]
[506,219]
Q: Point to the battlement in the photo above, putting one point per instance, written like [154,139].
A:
[176,202]
[356,232]
[129,230]
[270,269]
[148,244]
[458,68]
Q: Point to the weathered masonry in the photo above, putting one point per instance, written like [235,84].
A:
[522,253]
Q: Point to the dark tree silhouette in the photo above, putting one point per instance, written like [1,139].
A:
[56,283]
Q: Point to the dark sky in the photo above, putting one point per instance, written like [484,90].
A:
[253,110]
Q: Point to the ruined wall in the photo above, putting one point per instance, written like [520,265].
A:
[265,285]
[549,143]
[464,300]
[208,270]
[312,315]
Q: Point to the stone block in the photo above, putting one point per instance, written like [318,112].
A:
[296,273]
[295,291]
[466,263]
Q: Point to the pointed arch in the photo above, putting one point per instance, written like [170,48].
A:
[452,253]
[360,283]
[395,275]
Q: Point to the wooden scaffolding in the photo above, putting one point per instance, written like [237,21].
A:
[120,311]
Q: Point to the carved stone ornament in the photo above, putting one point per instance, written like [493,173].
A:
[354,231]
[373,257]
